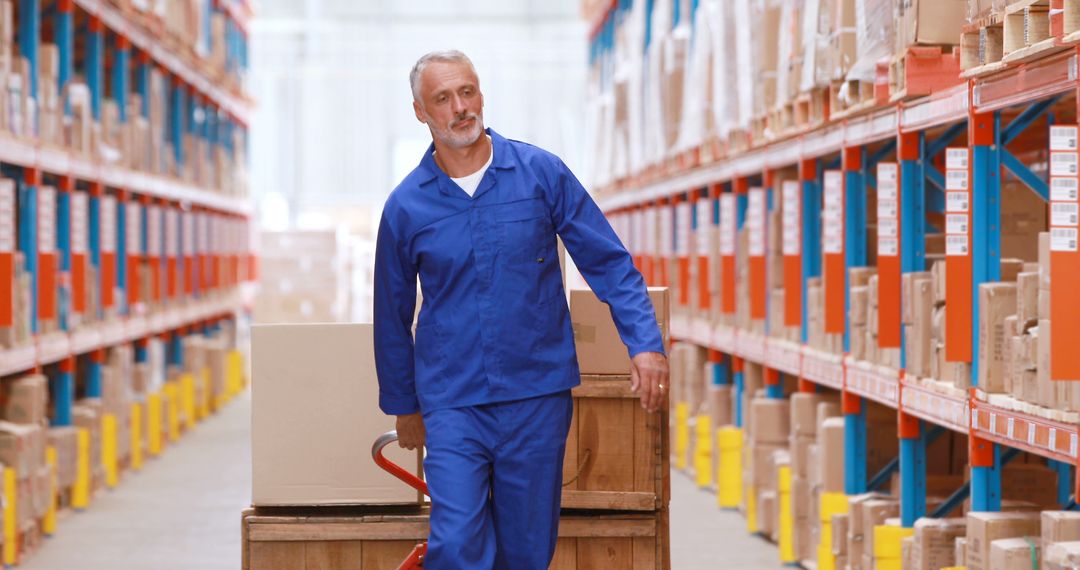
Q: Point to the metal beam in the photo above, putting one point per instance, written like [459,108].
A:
[934,147]
[1021,171]
[1025,119]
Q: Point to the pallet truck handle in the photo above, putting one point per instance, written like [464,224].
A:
[393,468]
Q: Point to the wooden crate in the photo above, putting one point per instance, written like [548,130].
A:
[617,453]
[274,539]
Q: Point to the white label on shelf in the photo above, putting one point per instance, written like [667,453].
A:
[957,158]
[1064,213]
[755,222]
[1063,239]
[833,214]
[1072,444]
[792,215]
[888,227]
[974,419]
[1063,137]
[727,224]
[172,232]
[79,222]
[108,224]
[188,228]
[956,180]
[956,224]
[133,229]
[46,219]
[956,245]
[1009,426]
[1052,441]
[666,235]
[888,191]
[956,202]
[886,208]
[1064,188]
[1030,433]
[7,216]
[684,227]
[703,237]
[1063,164]
[888,173]
[993,423]
[153,231]
[889,247]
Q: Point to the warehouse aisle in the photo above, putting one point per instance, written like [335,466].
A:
[182,511]
[706,538]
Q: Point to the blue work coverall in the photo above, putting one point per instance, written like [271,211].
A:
[493,359]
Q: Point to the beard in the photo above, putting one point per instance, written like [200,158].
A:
[458,139]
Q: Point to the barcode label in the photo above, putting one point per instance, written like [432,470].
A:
[887,173]
[79,222]
[888,246]
[1062,137]
[7,216]
[46,219]
[704,226]
[887,191]
[956,158]
[727,224]
[1064,189]
[755,222]
[956,180]
[886,208]
[888,227]
[956,224]
[956,202]
[1062,239]
[133,228]
[956,245]
[1063,164]
[108,224]
[1064,213]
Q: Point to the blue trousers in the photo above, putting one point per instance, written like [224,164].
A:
[495,476]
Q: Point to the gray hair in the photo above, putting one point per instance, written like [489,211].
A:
[451,55]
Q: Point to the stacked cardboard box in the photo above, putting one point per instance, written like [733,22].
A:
[304,278]
[983,529]
[23,436]
[767,437]
[805,411]
[18,333]
[934,543]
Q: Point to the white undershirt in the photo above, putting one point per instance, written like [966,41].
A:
[471,182]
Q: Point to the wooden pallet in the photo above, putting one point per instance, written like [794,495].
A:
[1024,32]
[847,98]
[369,538]
[812,108]
[922,70]
[782,120]
[616,453]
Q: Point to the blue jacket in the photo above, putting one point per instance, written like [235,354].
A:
[494,325]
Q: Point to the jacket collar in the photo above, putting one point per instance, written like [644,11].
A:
[501,160]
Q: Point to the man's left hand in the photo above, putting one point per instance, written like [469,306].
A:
[649,378]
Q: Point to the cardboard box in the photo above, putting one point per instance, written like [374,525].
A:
[1015,553]
[859,297]
[908,289]
[1042,364]
[762,465]
[771,420]
[1027,300]
[996,301]
[720,405]
[1060,526]
[22,447]
[1030,482]
[800,497]
[804,411]
[309,438]
[66,442]
[934,544]
[984,528]
[600,350]
[839,534]
[830,441]
[961,551]
[876,512]
[856,539]
[1061,555]
[801,460]
[26,399]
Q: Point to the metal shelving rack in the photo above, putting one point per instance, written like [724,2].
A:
[187,232]
[992,111]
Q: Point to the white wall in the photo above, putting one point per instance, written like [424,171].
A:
[334,130]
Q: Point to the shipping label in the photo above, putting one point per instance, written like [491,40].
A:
[1063,239]
[886,208]
[956,202]
[956,245]
[1063,163]
[80,226]
[727,224]
[704,226]
[956,180]
[888,227]
[7,216]
[956,224]
[833,213]
[888,247]
[1064,213]
[1063,137]
[1064,188]
[108,224]
[755,222]
[46,215]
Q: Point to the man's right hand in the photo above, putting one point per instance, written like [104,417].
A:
[410,431]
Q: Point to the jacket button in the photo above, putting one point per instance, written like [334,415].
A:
[540,260]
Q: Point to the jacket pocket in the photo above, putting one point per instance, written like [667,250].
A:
[430,359]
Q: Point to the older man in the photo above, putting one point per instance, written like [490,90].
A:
[486,384]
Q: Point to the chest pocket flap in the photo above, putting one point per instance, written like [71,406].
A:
[520,211]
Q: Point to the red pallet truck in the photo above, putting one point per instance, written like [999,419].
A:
[416,559]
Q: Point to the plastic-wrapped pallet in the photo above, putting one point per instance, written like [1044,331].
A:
[722,36]
[696,123]
[789,50]
[978,9]
[875,31]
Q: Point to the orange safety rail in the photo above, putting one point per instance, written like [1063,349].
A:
[888,242]
[958,263]
[756,216]
[1064,253]
[48,263]
[832,251]
[728,229]
[107,223]
[80,238]
[134,250]
[683,231]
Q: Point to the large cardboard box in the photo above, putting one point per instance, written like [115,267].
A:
[1015,553]
[935,543]
[996,301]
[830,441]
[66,442]
[771,420]
[315,416]
[25,399]
[599,348]
[985,528]
[1060,526]
[22,447]
[804,410]
[1061,555]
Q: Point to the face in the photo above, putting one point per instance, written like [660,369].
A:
[451,104]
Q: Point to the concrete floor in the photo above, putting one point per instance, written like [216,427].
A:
[182,511]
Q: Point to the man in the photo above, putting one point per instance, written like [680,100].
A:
[486,384]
